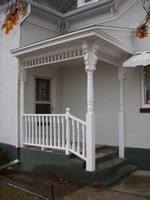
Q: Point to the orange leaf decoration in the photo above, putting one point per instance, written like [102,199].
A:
[20,11]
[3,26]
[11,18]
[19,5]
[141,31]
[10,25]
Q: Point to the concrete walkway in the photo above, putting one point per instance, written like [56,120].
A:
[134,187]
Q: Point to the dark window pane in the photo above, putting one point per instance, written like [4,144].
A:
[42,89]
[87,1]
[147,84]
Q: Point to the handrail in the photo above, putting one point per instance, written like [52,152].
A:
[78,120]
[44,115]
[55,115]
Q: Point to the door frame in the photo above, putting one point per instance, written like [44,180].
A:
[52,94]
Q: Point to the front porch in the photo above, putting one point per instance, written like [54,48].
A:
[65,131]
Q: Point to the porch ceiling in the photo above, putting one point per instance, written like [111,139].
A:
[69,46]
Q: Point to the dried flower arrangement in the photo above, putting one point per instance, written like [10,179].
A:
[12,17]
[142,30]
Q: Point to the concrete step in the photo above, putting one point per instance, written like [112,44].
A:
[110,167]
[105,155]
[102,154]
[108,180]
[99,147]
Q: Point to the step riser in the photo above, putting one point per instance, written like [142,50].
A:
[111,170]
[109,180]
[106,158]
[99,148]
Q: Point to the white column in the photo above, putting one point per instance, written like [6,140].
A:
[90,120]
[90,59]
[22,78]
[122,76]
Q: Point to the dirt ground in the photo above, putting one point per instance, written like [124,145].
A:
[43,185]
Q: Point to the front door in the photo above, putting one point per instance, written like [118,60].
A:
[43,103]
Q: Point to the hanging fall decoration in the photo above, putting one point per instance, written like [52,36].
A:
[142,30]
[12,17]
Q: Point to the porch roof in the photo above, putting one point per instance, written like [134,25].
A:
[108,39]
[138,59]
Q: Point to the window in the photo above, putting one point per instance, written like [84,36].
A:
[147,85]
[145,89]
[85,2]
[43,96]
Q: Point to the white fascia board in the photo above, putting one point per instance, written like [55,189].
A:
[84,9]
[45,8]
[71,13]
[53,42]
[92,33]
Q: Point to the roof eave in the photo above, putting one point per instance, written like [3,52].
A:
[90,33]
[75,12]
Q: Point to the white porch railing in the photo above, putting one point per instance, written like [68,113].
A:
[57,131]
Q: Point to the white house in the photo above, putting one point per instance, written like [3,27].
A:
[73,75]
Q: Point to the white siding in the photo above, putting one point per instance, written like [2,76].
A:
[137,124]
[106,99]
[8,87]
[32,33]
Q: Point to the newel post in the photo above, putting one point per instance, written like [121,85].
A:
[122,76]
[90,58]
[67,131]
[22,78]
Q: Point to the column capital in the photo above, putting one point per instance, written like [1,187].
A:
[21,72]
[122,73]
[141,72]
[20,69]
[90,50]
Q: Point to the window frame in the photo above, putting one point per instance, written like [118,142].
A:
[83,3]
[145,108]
[50,92]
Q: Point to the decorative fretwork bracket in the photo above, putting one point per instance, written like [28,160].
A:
[90,51]
[114,8]
[122,73]
[63,25]
[21,72]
